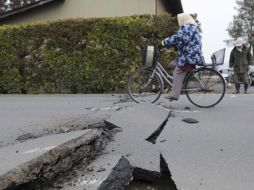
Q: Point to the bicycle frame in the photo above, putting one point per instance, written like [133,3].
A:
[164,76]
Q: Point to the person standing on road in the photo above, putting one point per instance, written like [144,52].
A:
[240,59]
[187,40]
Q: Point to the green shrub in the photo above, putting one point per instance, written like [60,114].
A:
[77,55]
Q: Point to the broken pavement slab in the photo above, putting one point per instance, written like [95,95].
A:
[46,157]
[120,176]
[123,174]
[137,123]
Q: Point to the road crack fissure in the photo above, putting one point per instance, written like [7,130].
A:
[153,137]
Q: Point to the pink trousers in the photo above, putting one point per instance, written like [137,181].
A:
[178,77]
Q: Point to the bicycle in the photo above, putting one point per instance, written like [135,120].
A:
[204,86]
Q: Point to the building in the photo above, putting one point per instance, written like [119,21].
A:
[48,10]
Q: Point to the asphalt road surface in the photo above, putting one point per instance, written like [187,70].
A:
[215,153]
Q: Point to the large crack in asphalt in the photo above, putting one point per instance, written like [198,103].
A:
[166,176]
[153,137]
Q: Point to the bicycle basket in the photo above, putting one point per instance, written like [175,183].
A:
[218,57]
[149,56]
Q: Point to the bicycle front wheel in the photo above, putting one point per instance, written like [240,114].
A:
[205,87]
[144,85]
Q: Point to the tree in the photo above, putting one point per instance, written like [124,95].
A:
[3,6]
[243,23]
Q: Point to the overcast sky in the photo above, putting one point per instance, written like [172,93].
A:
[215,16]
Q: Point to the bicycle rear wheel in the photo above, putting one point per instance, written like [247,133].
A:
[144,86]
[205,87]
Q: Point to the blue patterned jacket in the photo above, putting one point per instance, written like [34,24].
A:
[187,40]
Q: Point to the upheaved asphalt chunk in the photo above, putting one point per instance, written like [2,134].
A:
[120,176]
[38,167]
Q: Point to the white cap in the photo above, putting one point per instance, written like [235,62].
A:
[239,42]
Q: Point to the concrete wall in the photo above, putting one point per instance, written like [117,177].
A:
[88,9]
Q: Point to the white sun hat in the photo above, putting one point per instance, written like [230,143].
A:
[239,42]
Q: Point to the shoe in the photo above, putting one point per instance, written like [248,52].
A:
[245,92]
[171,99]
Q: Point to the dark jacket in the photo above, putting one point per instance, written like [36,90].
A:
[240,60]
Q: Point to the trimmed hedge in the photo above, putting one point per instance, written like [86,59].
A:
[79,55]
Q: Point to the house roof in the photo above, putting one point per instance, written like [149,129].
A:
[38,3]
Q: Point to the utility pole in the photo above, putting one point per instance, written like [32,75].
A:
[251,39]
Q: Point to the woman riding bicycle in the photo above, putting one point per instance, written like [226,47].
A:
[187,40]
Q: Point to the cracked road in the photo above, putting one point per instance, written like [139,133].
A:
[217,152]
